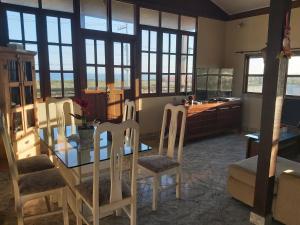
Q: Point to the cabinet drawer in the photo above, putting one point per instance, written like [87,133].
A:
[26,142]
[32,151]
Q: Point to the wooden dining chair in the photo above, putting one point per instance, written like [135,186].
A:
[33,185]
[129,113]
[61,114]
[169,163]
[105,193]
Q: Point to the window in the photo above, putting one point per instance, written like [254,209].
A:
[214,82]
[95,64]
[149,17]
[255,71]
[93,14]
[149,61]
[22,30]
[122,65]
[169,20]
[60,55]
[169,63]
[293,77]
[122,17]
[58,5]
[30,3]
[187,63]
[188,23]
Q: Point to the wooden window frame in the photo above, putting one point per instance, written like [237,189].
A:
[296,53]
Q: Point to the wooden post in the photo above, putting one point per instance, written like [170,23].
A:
[273,94]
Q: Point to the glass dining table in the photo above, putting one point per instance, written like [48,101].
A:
[73,152]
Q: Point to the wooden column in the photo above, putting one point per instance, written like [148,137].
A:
[273,93]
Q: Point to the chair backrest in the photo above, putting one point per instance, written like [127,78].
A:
[129,113]
[117,132]
[61,114]
[10,155]
[174,132]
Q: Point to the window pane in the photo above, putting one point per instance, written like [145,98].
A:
[152,83]
[67,58]
[126,54]
[201,83]
[145,62]
[152,63]
[212,83]
[54,57]
[122,17]
[149,17]
[172,63]
[182,83]
[191,45]
[227,71]
[38,86]
[255,84]
[55,82]
[184,44]
[66,33]
[165,64]
[117,53]
[173,43]
[89,51]
[172,84]
[226,83]
[190,64]
[145,40]
[293,86]
[101,78]
[100,52]
[144,83]
[165,83]
[126,72]
[33,47]
[165,42]
[188,23]
[118,78]
[14,25]
[52,29]
[69,90]
[183,64]
[189,83]
[153,41]
[93,14]
[294,66]
[91,77]
[59,5]
[29,27]
[30,3]
[256,66]
[169,20]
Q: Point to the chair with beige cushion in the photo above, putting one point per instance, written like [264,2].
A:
[105,193]
[32,185]
[161,164]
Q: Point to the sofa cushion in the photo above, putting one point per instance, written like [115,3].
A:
[245,170]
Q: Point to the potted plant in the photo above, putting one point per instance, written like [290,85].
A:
[85,130]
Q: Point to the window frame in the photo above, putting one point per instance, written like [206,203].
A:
[295,53]
[246,72]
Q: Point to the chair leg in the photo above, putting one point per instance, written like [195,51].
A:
[20,214]
[65,206]
[178,184]
[155,192]
[78,210]
[133,213]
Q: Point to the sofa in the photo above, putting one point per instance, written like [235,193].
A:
[286,201]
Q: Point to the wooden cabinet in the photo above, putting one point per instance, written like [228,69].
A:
[18,97]
[212,118]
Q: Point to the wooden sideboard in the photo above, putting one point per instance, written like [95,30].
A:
[212,118]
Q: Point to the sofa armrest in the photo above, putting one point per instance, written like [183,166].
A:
[287,207]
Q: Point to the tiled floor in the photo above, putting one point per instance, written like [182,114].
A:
[204,200]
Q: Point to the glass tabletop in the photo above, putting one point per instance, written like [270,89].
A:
[73,152]
[290,134]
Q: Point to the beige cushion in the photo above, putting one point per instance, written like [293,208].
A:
[86,190]
[245,170]
[45,180]
[157,163]
[34,164]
